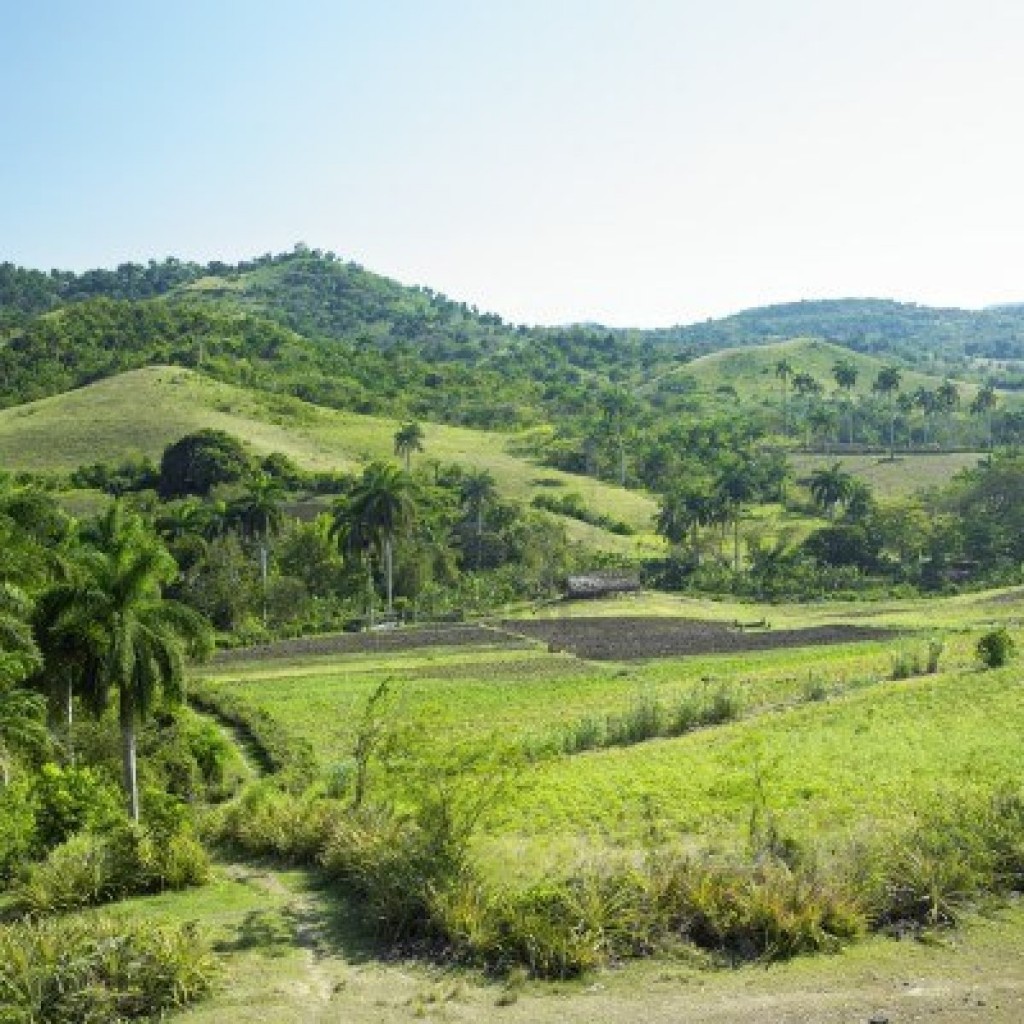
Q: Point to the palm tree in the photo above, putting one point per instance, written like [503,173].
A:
[408,439]
[905,403]
[807,387]
[72,654]
[830,486]
[784,370]
[684,509]
[144,638]
[616,408]
[22,713]
[477,490]
[947,397]
[378,511]
[735,487]
[258,512]
[984,404]
[888,383]
[821,420]
[845,374]
[928,404]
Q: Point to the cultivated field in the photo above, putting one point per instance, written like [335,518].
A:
[841,738]
[820,736]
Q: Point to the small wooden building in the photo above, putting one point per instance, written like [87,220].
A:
[601,584]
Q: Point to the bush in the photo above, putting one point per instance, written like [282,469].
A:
[70,799]
[127,860]
[267,821]
[995,648]
[17,828]
[75,971]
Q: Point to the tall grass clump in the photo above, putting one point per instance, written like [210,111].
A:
[92,868]
[69,971]
[647,718]
[266,821]
[955,851]
[915,661]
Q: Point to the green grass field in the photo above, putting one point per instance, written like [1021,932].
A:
[839,742]
[863,752]
[143,411]
[751,371]
[908,474]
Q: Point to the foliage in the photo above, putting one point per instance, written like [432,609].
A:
[572,505]
[995,648]
[199,462]
[67,800]
[71,970]
[123,860]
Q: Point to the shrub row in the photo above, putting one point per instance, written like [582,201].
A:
[279,752]
[413,879]
[92,868]
[65,971]
[647,718]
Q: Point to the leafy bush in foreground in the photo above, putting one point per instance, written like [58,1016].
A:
[92,868]
[100,969]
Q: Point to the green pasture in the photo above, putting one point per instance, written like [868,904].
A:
[142,411]
[834,742]
[907,474]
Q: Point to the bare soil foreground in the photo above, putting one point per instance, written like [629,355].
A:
[603,639]
[627,637]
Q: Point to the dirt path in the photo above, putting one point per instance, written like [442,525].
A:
[319,975]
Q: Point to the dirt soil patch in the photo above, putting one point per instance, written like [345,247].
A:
[384,641]
[629,637]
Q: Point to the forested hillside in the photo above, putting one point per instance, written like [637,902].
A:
[907,331]
[312,325]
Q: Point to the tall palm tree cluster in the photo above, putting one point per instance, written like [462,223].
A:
[936,425]
[83,616]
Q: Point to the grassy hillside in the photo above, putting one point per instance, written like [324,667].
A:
[905,330]
[751,371]
[142,411]
[908,474]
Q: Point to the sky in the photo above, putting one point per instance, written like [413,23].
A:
[629,162]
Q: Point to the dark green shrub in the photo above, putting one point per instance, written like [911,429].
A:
[198,462]
[995,648]
[75,971]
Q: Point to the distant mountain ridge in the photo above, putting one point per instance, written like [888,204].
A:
[907,331]
[329,331]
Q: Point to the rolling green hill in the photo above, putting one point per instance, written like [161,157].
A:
[751,371]
[144,410]
[916,334]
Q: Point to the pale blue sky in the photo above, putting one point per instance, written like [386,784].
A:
[635,163]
